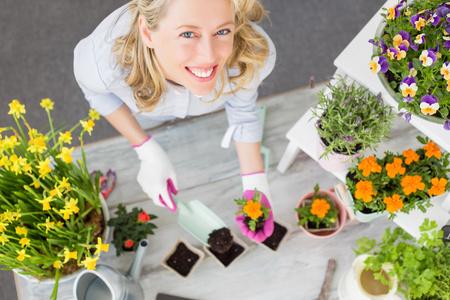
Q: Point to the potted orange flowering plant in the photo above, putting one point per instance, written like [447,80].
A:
[51,222]
[399,182]
[319,214]
[255,213]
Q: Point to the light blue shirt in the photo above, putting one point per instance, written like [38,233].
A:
[102,82]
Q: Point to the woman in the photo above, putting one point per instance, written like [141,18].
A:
[176,58]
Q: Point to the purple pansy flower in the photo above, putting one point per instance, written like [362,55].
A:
[402,49]
[376,44]
[392,53]
[379,64]
[383,47]
[420,39]
[428,57]
[429,105]
[433,18]
[447,125]
[443,10]
[412,71]
[418,21]
[408,87]
[447,44]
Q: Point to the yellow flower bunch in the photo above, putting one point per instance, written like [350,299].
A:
[46,199]
[400,182]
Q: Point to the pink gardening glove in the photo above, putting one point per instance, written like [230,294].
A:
[250,182]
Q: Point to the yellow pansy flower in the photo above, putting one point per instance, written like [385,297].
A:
[22,231]
[90,262]
[24,242]
[88,125]
[94,115]
[101,247]
[16,109]
[65,137]
[22,255]
[65,155]
[47,103]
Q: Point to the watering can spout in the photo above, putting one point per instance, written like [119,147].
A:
[136,265]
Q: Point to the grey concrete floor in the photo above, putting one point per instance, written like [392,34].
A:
[38,37]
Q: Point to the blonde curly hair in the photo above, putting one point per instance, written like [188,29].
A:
[250,50]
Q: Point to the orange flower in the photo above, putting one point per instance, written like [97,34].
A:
[411,184]
[395,168]
[432,149]
[368,165]
[410,156]
[320,208]
[438,187]
[364,191]
[253,209]
[393,203]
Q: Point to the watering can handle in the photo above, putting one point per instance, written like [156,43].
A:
[170,190]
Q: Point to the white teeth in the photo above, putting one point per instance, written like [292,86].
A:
[202,73]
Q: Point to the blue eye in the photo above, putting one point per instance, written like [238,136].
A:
[187,34]
[223,32]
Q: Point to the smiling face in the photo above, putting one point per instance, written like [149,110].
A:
[192,42]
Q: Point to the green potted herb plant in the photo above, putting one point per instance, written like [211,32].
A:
[130,227]
[350,120]
[422,265]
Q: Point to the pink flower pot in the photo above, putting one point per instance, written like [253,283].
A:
[342,216]
[335,162]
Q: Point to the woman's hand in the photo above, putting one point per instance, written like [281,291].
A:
[157,175]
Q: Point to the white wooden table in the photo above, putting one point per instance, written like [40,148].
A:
[353,64]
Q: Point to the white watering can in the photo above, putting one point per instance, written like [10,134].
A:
[106,282]
[358,284]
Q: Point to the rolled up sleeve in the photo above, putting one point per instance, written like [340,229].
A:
[241,108]
[89,79]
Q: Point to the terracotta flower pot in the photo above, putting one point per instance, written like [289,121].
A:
[342,216]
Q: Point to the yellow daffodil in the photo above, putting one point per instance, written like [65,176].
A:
[22,255]
[65,155]
[90,262]
[16,215]
[37,144]
[65,138]
[101,247]
[94,115]
[22,231]
[72,205]
[35,184]
[3,226]
[56,191]
[3,239]
[64,182]
[5,163]
[33,133]
[47,103]
[10,142]
[88,125]
[66,213]
[44,168]
[8,216]
[48,225]
[57,264]
[24,242]
[27,167]
[68,254]
[17,163]
[60,224]
[16,109]
[46,202]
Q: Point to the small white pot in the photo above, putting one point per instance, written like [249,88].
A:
[238,241]
[358,284]
[199,252]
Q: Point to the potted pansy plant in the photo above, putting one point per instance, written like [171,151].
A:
[399,182]
[51,217]
[412,58]
[130,227]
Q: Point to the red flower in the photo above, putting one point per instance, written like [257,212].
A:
[143,217]
[129,243]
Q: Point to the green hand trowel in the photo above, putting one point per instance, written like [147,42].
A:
[198,219]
